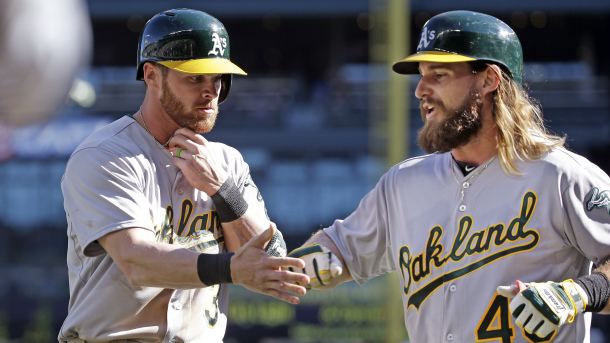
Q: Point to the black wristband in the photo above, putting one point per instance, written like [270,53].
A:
[214,268]
[597,287]
[229,202]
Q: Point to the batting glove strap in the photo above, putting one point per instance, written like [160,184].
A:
[597,289]
[576,296]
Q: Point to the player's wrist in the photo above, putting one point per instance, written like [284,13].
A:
[214,269]
[576,297]
[276,246]
[229,202]
[597,290]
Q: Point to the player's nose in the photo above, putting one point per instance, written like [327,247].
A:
[422,90]
[211,87]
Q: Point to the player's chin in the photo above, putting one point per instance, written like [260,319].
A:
[201,122]
[203,126]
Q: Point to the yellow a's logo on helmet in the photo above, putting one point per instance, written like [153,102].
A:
[219,45]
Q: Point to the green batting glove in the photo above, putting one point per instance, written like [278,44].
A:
[541,308]
[321,265]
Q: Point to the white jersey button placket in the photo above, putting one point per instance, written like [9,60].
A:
[465,186]
[450,337]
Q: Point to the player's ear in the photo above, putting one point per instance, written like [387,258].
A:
[152,75]
[491,78]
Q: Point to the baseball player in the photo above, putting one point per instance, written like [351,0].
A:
[159,218]
[495,232]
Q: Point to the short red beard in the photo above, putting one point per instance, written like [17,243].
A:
[177,111]
[454,131]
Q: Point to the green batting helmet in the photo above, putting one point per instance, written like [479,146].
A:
[463,36]
[188,41]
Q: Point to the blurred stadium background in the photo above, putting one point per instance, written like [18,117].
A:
[309,119]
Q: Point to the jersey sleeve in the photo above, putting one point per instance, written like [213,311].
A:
[363,238]
[586,199]
[102,193]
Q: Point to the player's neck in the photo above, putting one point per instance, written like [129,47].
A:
[153,122]
[479,149]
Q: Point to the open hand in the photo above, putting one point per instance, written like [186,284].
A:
[252,268]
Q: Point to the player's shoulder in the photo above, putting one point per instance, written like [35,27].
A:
[565,161]
[419,166]
[420,163]
[106,143]
[567,164]
[107,135]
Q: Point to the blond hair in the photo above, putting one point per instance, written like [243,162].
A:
[521,131]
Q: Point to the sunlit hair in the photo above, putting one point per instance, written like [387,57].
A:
[522,135]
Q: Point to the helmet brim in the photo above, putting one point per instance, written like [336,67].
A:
[409,64]
[204,66]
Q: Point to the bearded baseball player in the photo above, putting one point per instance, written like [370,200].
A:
[159,218]
[500,234]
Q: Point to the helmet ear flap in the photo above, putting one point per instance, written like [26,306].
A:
[225,81]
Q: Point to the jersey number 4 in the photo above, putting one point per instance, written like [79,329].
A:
[496,324]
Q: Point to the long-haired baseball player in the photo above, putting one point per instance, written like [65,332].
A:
[159,218]
[498,199]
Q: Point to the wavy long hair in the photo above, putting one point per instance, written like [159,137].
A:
[522,135]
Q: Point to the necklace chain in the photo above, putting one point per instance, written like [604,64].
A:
[148,130]
[470,178]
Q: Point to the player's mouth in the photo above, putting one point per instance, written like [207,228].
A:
[207,109]
[427,110]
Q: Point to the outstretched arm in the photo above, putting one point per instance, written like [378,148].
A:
[324,263]
[146,262]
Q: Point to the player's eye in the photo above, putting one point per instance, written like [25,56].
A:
[196,78]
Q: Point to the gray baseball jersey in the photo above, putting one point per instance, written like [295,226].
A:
[121,177]
[455,238]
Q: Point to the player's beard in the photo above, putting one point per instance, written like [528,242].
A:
[200,123]
[462,123]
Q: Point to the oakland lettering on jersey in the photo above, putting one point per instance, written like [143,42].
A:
[466,243]
[190,225]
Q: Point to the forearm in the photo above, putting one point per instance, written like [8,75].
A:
[605,269]
[161,265]
[240,220]
[241,230]
[146,262]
